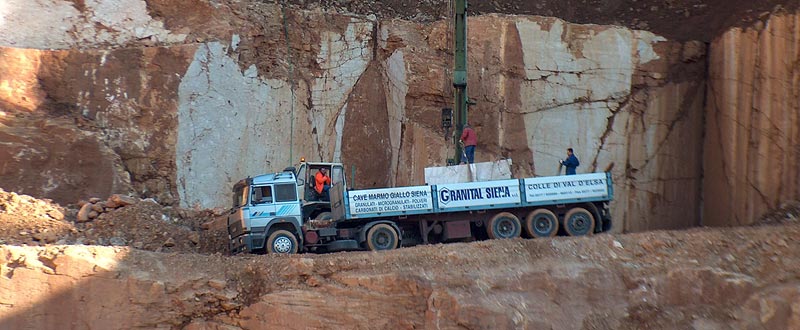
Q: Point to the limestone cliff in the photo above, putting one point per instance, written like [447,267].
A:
[752,141]
[184,108]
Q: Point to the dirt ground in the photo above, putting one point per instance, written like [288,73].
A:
[786,213]
[144,225]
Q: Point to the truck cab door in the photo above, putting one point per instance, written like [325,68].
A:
[337,175]
[286,203]
[262,208]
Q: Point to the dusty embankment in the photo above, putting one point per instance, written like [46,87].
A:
[742,278]
[117,221]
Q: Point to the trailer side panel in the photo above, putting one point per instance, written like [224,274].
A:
[478,195]
[389,202]
[564,189]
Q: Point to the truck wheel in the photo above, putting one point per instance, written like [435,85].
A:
[382,237]
[324,216]
[282,241]
[541,223]
[504,225]
[578,222]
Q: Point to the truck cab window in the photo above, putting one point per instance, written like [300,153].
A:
[337,175]
[285,193]
[240,196]
[301,175]
[262,195]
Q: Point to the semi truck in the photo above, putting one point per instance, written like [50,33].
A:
[282,213]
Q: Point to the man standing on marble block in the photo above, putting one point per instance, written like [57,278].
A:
[571,162]
[470,140]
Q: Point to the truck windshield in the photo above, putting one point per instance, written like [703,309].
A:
[240,196]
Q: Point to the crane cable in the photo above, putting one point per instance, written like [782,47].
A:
[291,81]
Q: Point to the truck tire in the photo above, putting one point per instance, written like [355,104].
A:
[541,223]
[382,237]
[579,222]
[504,225]
[282,242]
[324,216]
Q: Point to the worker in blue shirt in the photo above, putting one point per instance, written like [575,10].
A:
[571,162]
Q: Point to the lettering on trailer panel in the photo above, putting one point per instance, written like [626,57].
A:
[476,194]
[566,187]
[390,200]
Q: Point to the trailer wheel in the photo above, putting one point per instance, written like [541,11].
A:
[541,223]
[504,225]
[579,222]
[282,242]
[382,237]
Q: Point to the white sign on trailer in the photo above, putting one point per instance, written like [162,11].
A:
[390,200]
[478,194]
[555,188]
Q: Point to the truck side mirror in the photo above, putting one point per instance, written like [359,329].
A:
[447,118]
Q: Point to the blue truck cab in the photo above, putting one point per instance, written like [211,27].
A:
[266,210]
[270,210]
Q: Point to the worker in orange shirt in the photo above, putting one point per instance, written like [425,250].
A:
[322,183]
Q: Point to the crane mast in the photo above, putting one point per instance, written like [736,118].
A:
[460,73]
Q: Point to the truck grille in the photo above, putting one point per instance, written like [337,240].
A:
[235,229]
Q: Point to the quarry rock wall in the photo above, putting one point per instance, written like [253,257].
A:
[181,110]
[752,144]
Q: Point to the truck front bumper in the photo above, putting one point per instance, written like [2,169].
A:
[249,241]
[245,243]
